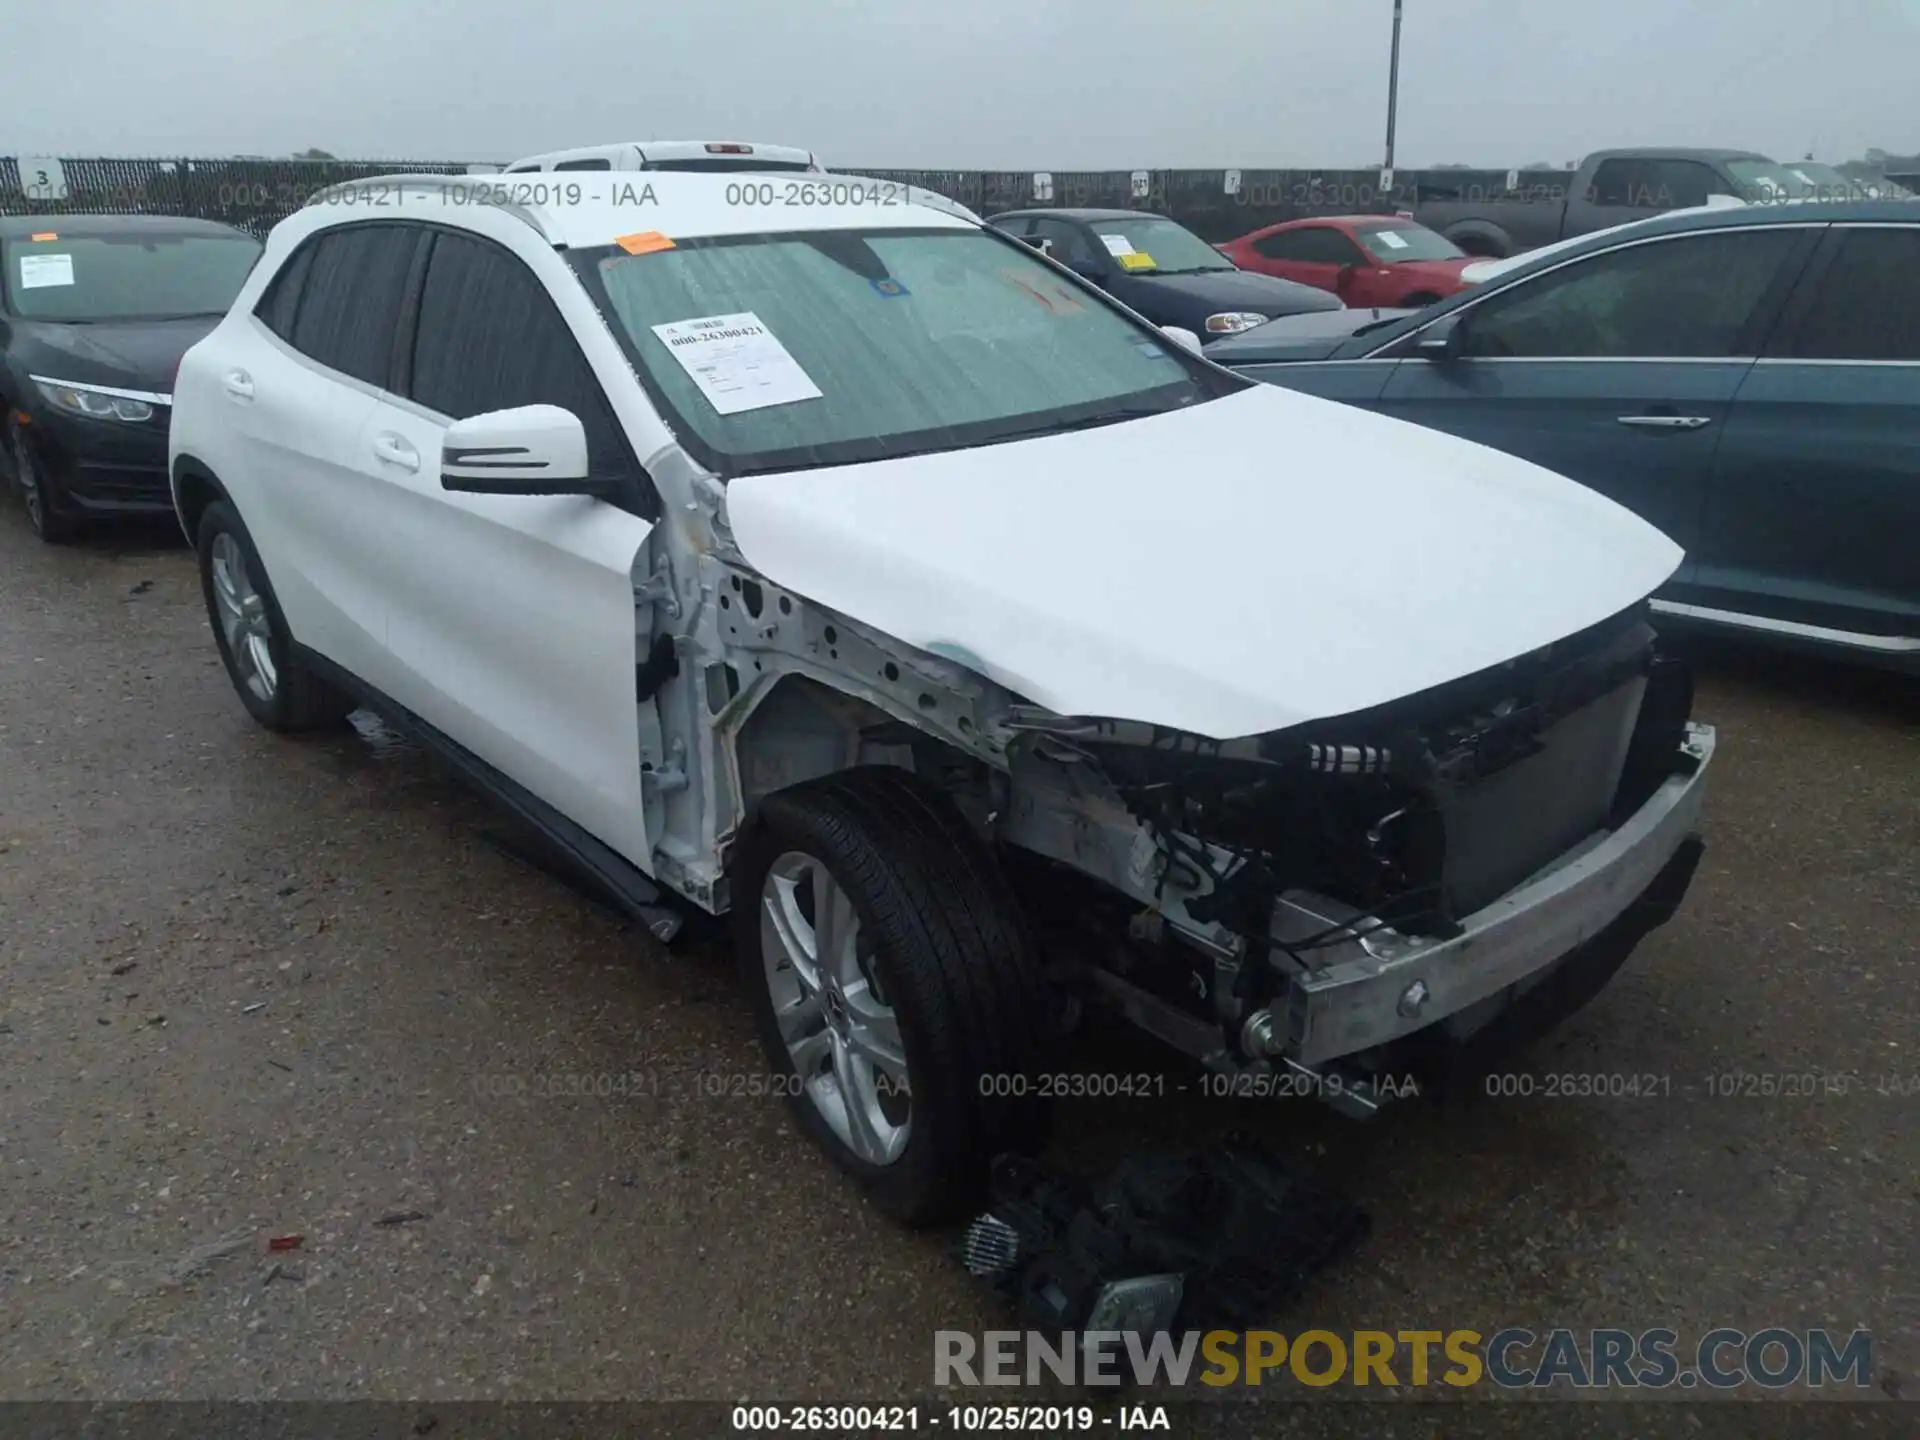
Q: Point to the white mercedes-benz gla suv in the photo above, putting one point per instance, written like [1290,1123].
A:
[796,551]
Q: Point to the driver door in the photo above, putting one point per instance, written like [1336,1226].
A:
[511,619]
[1617,370]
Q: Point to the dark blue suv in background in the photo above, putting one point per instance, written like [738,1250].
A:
[1747,379]
[1162,270]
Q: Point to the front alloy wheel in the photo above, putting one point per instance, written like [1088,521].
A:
[899,1000]
[840,1032]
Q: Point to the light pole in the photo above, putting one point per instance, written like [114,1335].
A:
[1393,84]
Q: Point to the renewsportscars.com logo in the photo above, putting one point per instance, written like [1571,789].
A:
[1511,1359]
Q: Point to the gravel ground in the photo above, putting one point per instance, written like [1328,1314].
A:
[253,987]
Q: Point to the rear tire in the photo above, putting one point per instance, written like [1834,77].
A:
[276,686]
[1419,300]
[925,957]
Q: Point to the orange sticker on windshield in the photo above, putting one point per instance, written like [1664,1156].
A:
[46,235]
[645,243]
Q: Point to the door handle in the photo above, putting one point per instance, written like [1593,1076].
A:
[395,451]
[238,384]
[1667,422]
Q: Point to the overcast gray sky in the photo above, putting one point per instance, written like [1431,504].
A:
[1014,84]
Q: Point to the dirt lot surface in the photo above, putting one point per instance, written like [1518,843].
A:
[253,987]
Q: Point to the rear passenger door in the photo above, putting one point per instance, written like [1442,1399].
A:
[305,382]
[1815,511]
[511,618]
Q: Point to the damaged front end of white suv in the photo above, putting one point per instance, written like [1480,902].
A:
[1337,906]
[1374,899]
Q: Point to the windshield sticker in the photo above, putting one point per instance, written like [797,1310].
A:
[1118,246]
[889,288]
[1391,240]
[1136,260]
[39,271]
[737,362]
[645,243]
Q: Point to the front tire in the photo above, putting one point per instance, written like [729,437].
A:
[896,991]
[1419,300]
[275,685]
[38,492]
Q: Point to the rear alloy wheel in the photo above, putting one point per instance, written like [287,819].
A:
[51,524]
[898,997]
[275,685]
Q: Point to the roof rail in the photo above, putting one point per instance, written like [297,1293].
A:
[918,194]
[474,189]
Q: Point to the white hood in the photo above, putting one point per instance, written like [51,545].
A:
[1236,567]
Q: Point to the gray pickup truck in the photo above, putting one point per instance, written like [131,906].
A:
[1611,187]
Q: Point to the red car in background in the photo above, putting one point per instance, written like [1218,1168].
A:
[1367,260]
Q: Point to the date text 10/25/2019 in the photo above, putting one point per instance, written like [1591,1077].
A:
[804,194]
[870,1419]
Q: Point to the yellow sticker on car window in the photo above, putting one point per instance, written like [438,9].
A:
[1135,260]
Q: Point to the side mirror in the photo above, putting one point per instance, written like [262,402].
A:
[1085,270]
[1344,277]
[1443,340]
[1183,336]
[530,450]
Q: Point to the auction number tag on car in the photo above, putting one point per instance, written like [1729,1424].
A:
[1136,260]
[1118,246]
[737,362]
[39,271]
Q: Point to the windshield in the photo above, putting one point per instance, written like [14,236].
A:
[781,352]
[1764,180]
[1831,184]
[1152,243]
[126,277]
[1391,244]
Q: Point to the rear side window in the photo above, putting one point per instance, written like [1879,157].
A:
[602,163]
[281,301]
[491,338]
[349,308]
[1867,304]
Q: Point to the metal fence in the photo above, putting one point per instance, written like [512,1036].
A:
[255,194]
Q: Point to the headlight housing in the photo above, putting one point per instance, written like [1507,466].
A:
[95,402]
[1232,322]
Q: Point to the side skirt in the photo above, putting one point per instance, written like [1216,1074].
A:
[632,893]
